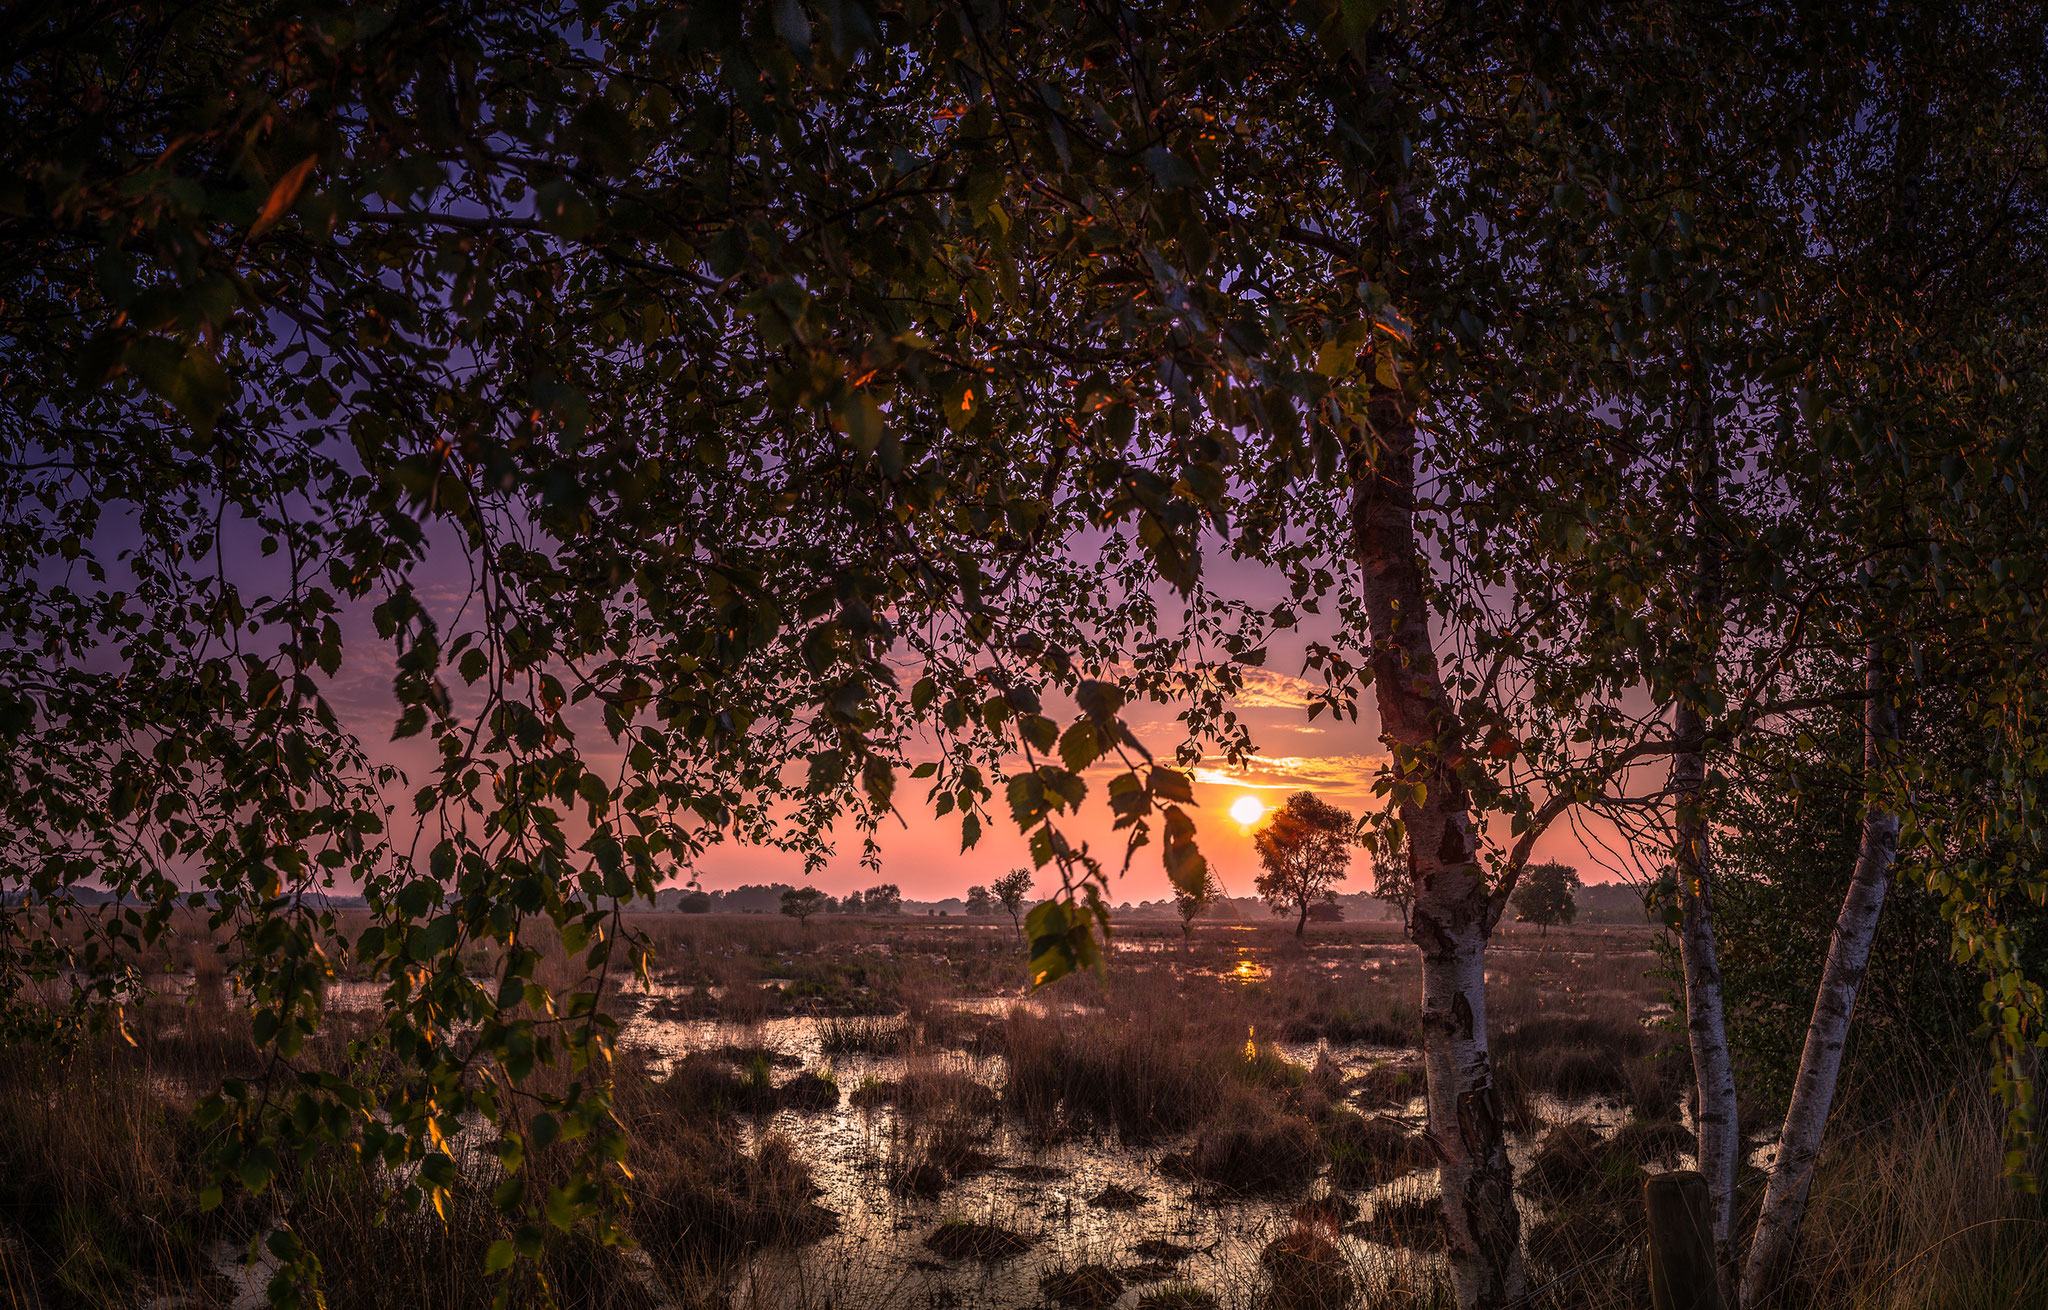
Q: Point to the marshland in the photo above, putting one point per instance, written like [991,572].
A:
[867,1112]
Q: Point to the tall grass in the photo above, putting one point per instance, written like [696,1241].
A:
[101,1162]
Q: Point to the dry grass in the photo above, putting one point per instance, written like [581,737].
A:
[1916,1212]
[100,1163]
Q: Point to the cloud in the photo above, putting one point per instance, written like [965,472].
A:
[1267,690]
[1337,773]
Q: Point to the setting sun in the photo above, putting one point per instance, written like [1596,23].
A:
[1247,810]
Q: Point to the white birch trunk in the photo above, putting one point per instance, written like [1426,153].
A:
[1451,918]
[1720,1138]
[1777,1230]
[1473,1172]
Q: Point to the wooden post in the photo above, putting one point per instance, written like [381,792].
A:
[1683,1275]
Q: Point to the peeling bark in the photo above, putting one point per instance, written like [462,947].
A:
[1813,1093]
[1450,919]
[1720,1140]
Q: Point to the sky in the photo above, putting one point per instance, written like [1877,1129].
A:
[920,853]
[1332,756]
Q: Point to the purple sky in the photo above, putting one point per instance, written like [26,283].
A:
[1333,757]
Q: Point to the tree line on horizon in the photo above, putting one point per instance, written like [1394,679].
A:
[697,413]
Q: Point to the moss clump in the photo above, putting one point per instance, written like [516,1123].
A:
[1252,1147]
[812,1090]
[708,1196]
[1307,1270]
[965,1239]
[1365,1152]
[1574,1163]
[1090,1286]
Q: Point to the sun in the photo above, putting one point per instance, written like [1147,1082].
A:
[1247,810]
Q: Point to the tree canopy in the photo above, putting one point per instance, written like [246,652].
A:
[800,903]
[1547,894]
[756,374]
[1305,850]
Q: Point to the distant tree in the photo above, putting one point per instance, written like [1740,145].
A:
[800,903]
[1547,894]
[885,899]
[1391,883]
[979,903]
[853,904]
[751,898]
[1306,849]
[1010,892]
[1190,905]
[694,902]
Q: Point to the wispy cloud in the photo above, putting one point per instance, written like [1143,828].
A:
[1267,690]
[1298,773]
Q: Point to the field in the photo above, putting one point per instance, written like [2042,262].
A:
[873,1113]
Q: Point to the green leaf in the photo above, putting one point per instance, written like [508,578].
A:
[1040,731]
[828,768]
[1099,700]
[1062,941]
[1028,802]
[1172,785]
[1186,867]
[500,1256]
[1081,746]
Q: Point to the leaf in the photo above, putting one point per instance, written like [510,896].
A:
[1172,785]
[562,207]
[1081,745]
[1186,867]
[1783,367]
[1099,700]
[283,196]
[1040,731]
[827,769]
[1027,800]
[500,1257]
[879,779]
[1169,170]
[1062,939]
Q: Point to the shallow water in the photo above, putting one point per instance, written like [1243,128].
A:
[877,1257]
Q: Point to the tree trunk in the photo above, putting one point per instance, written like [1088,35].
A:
[1302,922]
[1813,1093]
[1452,914]
[1720,1137]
